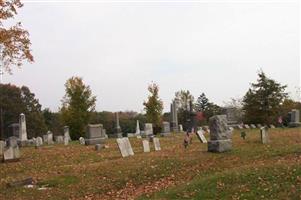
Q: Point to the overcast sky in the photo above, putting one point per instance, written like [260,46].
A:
[119,48]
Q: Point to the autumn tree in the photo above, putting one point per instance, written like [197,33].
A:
[77,106]
[263,100]
[14,40]
[154,106]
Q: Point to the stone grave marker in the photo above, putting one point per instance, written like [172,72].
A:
[146,147]
[201,137]
[128,146]
[294,118]
[13,141]
[66,141]
[66,133]
[81,140]
[148,129]
[166,129]
[2,146]
[253,126]
[11,154]
[258,125]
[95,134]
[220,135]
[98,147]
[45,137]
[59,139]
[157,144]
[39,142]
[22,128]
[264,135]
[122,147]
[246,126]
[272,126]
[137,129]
[50,138]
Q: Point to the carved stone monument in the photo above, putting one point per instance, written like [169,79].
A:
[174,126]
[95,134]
[22,128]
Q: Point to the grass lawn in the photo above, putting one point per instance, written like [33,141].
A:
[250,171]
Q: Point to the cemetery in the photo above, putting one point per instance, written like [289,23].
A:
[150,100]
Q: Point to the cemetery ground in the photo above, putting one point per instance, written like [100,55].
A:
[251,170]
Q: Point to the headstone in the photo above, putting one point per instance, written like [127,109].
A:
[201,136]
[258,125]
[2,146]
[181,128]
[13,141]
[66,133]
[66,141]
[117,130]
[81,140]
[146,147]
[45,137]
[137,128]
[253,126]
[157,144]
[59,139]
[295,118]
[220,135]
[39,142]
[272,126]
[148,129]
[122,147]
[128,146]
[22,128]
[49,138]
[11,154]
[246,126]
[98,147]
[95,134]
[264,135]
[174,117]
[14,130]
[165,129]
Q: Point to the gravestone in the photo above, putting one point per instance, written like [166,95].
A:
[174,117]
[137,128]
[165,129]
[264,135]
[66,141]
[117,130]
[50,138]
[39,141]
[157,144]
[201,137]
[253,126]
[146,147]
[148,129]
[181,128]
[98,147]
[2,146]
[59,139]
[295,118]
[22,128]
[13,142]
[81,140]
[220,135]
[66,133]
[258,125]
[128,146]
[11,154]
[95,135]
[45,137]
[123,147]
[246,126]
[272,126]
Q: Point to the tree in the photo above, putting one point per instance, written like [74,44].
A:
[15,100]
[77,106]
[262,101]
[202,103]
[154,106]
[53,121]
[183,99]
[14,40]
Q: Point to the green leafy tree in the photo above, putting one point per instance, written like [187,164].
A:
[263,100]
[53,121]
[183,99]
[154,106]
[78,104]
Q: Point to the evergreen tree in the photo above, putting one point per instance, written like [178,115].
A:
[78,103]
[263,100]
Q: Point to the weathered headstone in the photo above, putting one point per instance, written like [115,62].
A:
[81,140]
[165,129]
[22,128]
[201,137]
[59,139]
[66,141]
[246,126]
[272,126]
[11,154]
[295,118]
[39,141]
[128,146]
[66,133]
[137,128]
[181,128]
[117,130]
[264,135]
[50,138]
[220,135]
[13,141]
[157,144]
[45,137]
[148,129]
[95,134]
[253,126]
[174,117]
[258,125]
[146,147]
[122,147]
